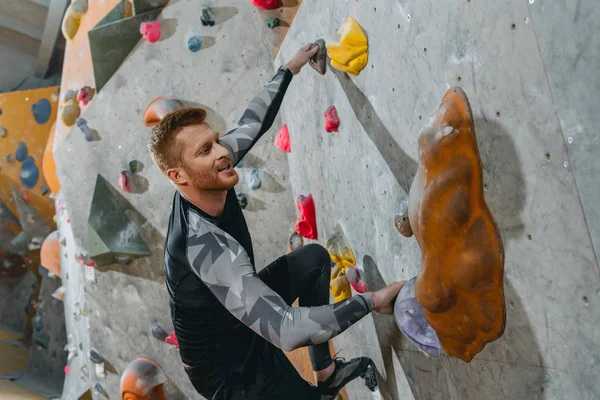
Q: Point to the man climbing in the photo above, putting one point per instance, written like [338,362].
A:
[230,321]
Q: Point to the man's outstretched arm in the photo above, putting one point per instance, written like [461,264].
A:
[223,265]
[262,110]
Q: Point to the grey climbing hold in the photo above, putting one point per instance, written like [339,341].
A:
[242,200]
[21,152]
[158,332]
[95,356]
[194,43]
[84,128]
[254,180]
[44,190]
[207,18]
[100,390]
[3,132]
[134,166]
[9,158]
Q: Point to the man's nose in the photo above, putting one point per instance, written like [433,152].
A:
[222,152]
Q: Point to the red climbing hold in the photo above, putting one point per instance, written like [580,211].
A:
[26,195]
[150,31]
[282,140]
[66,369]
[332,121]
[266,4]
[124,181]
[306,225]
[172,339]
[84,95]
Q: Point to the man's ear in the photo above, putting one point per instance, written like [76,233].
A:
[177,176]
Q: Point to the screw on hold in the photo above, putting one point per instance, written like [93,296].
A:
[207,17]
[272,22]
[526,20]
[570,139]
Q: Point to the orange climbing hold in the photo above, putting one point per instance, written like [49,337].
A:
[159,108]
[351,53]
[50,253]
[143,379]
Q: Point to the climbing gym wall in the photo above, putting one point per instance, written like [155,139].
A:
[25,122]
[536,178]
[219,67]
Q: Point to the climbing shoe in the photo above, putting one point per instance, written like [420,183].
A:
[346,371]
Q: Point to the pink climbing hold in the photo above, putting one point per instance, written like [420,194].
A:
[332,121]
[172,339]
[66,369]
[353,275]
[282,140]
[84,95]
[150,31]
[306,225]
[124,181]
[266,4]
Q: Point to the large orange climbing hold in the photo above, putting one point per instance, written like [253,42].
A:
[49,165]
[143,379]
[159,108]
[351,53]
[460,283]
[50,253]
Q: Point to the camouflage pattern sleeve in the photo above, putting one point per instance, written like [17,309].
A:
[225,268]
[258,117]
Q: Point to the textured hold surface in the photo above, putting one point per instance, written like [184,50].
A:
[332,120]
[318,62]
[159,108]
[461,282]
[266,4]
[41,110]
[142,377]
[150,31]
[410,318]
[282,140]
[72,18]
[254,181]
[306,224]
[21,152]
[194,43]
[50,253]
[350,54]
[111,234]
[29,173]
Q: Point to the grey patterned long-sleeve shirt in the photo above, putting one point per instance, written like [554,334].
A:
[214,311]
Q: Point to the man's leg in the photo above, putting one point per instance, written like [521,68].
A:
[304,275]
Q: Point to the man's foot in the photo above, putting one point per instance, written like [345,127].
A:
[345,371]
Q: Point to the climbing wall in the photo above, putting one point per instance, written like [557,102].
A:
[119,302]
[25,121]
[535,180]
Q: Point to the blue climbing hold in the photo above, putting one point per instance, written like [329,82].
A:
[29,173]
[84,128]
[194,43]
[254,180]
[38,323]
[21,152]
[41,111]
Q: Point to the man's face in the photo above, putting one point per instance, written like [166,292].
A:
[205,163]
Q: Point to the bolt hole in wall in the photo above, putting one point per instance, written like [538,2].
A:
[459,79]
[514,26]
[529,237]
[585,299]
[548,156]
[498,114]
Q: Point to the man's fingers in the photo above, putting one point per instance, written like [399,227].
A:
[307,47]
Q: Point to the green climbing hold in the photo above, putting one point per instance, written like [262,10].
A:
[112,236]
[272,22]
[134,166]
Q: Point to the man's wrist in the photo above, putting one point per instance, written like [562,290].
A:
[291,68]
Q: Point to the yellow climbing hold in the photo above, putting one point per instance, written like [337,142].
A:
[339,249]
[339,285]
[69,108]
[350,54]
[72,18]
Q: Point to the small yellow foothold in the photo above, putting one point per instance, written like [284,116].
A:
[339,285]
[351,53]
[72,18]
[69,108]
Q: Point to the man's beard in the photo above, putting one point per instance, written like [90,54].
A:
[210,180]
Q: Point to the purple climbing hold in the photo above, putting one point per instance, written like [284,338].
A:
[41,111]
[84,128]
[158,332]
[29,173]
[21,152]
[410,318]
